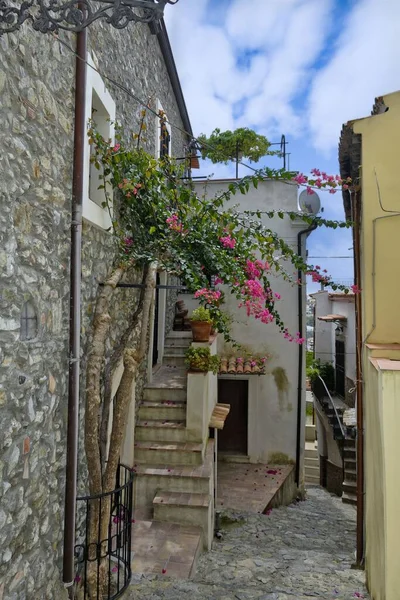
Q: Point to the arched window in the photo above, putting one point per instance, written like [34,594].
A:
[29,322]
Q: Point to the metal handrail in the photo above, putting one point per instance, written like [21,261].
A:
[334,407]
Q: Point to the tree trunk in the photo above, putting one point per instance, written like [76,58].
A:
[133,357]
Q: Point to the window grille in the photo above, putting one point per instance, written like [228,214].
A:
[29,322]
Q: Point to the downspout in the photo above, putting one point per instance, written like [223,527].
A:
[75,315]
[301,352]
[359,387]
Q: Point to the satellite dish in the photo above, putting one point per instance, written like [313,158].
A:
[309,203]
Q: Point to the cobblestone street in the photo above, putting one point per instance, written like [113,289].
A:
[294,553]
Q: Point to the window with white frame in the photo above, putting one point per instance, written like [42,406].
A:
[163,133]
[100,107]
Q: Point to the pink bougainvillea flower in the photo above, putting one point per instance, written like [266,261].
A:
[272,471]
[300,179]
[116,519]
[128,241]
[218,281]
[332,191]
[268,512]
[227,241]
[310,191]
[358,595]
[164,571]
[355,289]
[77,579]
[114,569]
[116,147]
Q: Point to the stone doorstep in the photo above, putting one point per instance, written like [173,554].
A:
[159,393]
[161,431]
[350,474]
[175,349]
[186,508]
[176,453]
[162,411]
[349,498]
[165,548]
[177,360]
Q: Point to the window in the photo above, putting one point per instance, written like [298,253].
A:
[163,137]
[29,322]
[100,107]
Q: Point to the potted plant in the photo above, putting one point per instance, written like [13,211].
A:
[201,324]
[201,359]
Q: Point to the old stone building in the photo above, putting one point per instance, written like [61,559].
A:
[37,75]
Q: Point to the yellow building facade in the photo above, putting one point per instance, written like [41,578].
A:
[369,152]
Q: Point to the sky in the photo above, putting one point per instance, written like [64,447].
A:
[300,68]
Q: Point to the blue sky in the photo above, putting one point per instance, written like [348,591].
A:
[296,67]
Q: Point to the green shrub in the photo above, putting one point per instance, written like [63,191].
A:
[202,360]
[201,314]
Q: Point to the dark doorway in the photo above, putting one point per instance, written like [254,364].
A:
[155,326]
[339,367]
[233,437]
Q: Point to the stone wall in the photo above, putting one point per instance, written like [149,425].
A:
[36,137]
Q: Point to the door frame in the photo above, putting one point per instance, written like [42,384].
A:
[247,429]
[253,400]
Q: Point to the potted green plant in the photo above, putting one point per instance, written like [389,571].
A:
[201,359]
[201,324]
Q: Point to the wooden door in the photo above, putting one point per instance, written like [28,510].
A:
[233,437]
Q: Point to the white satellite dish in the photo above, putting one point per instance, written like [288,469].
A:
[309,203]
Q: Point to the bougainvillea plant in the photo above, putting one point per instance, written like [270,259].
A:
[162,219]
[160,222]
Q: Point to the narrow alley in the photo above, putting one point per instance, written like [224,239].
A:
[297,552]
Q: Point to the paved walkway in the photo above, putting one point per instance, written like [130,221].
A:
[295,553]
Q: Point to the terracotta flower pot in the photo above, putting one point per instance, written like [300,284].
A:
[201,330]
[224,365]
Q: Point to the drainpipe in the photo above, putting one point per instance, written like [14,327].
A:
[355,201]
[301,352]
[75,315]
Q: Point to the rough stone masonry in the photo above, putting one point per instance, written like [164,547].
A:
[36,141]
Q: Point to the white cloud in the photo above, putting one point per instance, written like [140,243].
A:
[365,64]
[281,43]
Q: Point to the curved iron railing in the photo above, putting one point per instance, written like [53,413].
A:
[334,407]
[108,559]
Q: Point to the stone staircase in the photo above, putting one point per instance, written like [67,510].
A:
[347,446]
[349,495]
[311,464]
[174,478]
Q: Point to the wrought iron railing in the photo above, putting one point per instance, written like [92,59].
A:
[104,563]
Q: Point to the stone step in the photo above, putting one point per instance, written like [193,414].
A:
[350,463]
[159,547]
[174,453]
[311,479]
[349,499]
[183,508]
[310,453]
[184,336]
[162,411]
[154,393]
[311,472]
[174,360]
[350,474]
[349,453]
[350,487]
[179,349]
[311,462]
[173,478]
[161,431]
